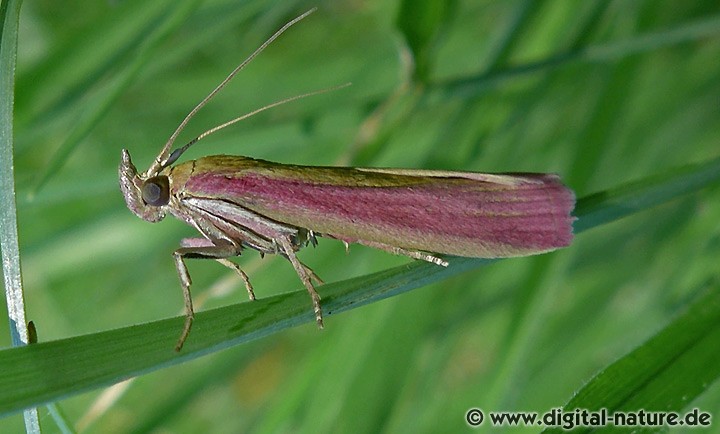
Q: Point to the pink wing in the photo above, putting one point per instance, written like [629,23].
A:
[457,213]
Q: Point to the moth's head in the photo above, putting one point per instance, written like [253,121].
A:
[145,194]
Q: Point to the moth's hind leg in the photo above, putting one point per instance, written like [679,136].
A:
[415,254]
[312,274]
[201,248]
[306,276]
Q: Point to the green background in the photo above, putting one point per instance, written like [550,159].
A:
[602,93]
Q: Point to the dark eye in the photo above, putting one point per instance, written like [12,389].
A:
[156,191]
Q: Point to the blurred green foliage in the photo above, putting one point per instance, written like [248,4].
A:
[602,92]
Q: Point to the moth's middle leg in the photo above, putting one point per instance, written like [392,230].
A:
[204,242]
[306,275]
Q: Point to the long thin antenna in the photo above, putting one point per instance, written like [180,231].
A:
[179,151]
[160,160]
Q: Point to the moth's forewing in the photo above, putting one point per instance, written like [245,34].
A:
[477,215]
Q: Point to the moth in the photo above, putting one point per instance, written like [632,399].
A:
[237,202]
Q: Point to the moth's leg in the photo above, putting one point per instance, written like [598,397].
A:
[204,242]
[415,254]
[312,274]
[198,250]
[233,266]
[185,282]
[305,275]
[196,242]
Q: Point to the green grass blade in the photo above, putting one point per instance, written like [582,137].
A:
[613,51]
[420,22]
[9,20]
[666,373]
[44,372]
[100,103]
[607,206]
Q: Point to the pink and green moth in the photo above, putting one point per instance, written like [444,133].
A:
[239,202]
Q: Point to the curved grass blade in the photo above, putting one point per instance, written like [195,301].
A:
[665,373]
[9,22]
[44,372]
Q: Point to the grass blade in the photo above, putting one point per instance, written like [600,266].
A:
[100,103]
[613,51]
[9,19]
[666,373]
[44,372]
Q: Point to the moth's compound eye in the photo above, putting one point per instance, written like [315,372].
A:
[156,191]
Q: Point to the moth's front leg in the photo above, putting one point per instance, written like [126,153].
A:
[204,249]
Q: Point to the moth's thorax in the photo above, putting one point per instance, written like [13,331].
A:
[178,176]
[216,166]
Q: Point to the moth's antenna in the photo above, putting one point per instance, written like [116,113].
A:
[160,160]
[179,151]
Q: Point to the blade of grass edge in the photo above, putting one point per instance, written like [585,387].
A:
[10,18]
[53,370]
